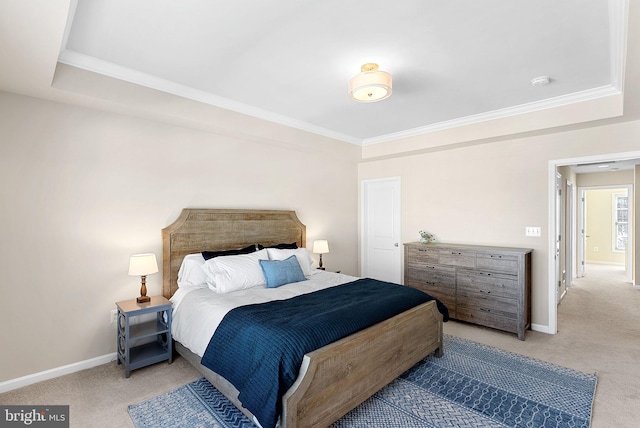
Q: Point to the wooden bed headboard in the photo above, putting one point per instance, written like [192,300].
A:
[198,230]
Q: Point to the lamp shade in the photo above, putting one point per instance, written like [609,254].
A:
[370,85]
[321,246]
[143,264]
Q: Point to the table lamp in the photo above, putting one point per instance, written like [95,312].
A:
[143,265]
[321,246]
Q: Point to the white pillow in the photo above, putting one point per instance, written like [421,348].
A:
[226,274]
[191,274]
[304,259]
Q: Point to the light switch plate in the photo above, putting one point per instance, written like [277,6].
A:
[533,231]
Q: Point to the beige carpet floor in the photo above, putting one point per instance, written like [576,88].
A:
[599,331]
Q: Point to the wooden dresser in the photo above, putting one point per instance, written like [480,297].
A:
[489,286]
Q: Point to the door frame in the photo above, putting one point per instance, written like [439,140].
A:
[363,219]
[559,236]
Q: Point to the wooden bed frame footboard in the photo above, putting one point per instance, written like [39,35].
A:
[335,378]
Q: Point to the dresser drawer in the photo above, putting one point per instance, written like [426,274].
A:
[446,293]
[491,312]
[487,319]
[454,257]
[471,301]
[497,262]
[488,283]
[431,274]
[422,254]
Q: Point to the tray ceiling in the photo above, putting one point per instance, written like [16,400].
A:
[453,63]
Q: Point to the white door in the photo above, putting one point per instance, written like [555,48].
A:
[381,249]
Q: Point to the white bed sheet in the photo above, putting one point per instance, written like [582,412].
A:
[197,312]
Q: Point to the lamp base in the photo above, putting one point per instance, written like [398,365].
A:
[143,290]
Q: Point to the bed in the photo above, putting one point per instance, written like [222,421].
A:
[333,379]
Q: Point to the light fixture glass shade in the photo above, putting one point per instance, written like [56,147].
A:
[370,85]
[321,246]
[143,264]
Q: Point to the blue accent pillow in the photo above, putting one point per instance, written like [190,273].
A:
[280,272]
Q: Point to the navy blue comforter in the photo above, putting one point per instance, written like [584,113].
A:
[259,348]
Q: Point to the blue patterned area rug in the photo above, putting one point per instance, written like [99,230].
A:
[472,385]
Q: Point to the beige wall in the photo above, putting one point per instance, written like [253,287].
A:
[599,248]
[82,190]
[612,178]
[488,193]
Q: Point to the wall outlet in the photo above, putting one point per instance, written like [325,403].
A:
[114,315]
[532,231]
[595,249]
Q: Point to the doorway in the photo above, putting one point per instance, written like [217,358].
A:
[552,285]
[605,215]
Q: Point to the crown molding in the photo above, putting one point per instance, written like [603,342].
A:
[109,69]
[618,15]
[564,100]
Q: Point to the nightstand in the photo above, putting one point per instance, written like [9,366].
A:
[143,343]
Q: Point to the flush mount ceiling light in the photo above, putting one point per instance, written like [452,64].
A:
[370,85]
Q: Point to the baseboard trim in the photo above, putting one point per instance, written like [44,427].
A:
[541,328]
[12,384]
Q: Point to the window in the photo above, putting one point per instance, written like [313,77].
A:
[621,221]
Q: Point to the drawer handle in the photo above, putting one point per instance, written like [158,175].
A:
[456,254]
[486,292]
[485,310]
[483,273]
[499,257]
